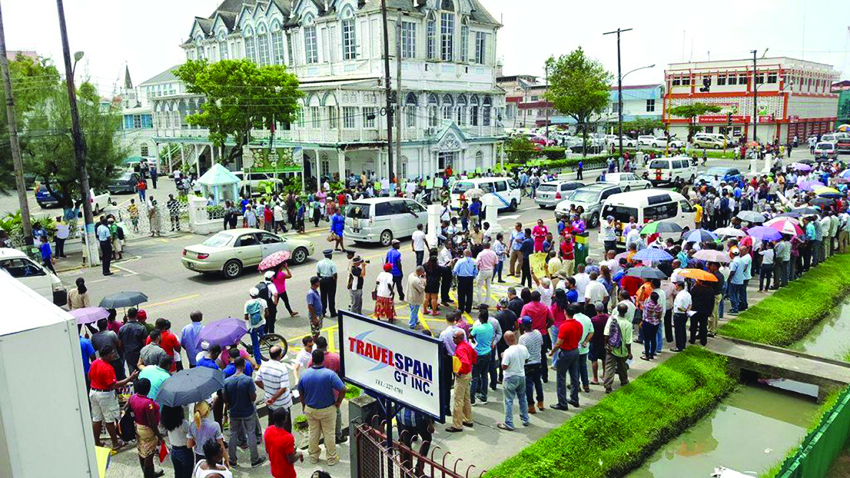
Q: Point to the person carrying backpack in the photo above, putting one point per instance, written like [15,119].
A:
[618,347]
[256,310]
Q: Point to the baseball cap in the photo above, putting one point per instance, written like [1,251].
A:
[269,275]
[525,320]
[142,315]
[253,292]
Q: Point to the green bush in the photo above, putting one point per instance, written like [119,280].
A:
[555,152]
[791,312]
[520,149]
[623,429]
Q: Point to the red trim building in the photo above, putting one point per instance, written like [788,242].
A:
[794,97]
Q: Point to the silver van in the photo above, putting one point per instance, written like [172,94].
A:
[550,193]
[383,219]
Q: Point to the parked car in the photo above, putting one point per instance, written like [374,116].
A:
[230,252]
[829,138]
[843,144]
[710,141]
[661,142]
[383,219]
[99,200]
[249,183]
[646,206]
[541,140]
[33,275]
[126,183]
[550,193]
[627,181]
[590,198]
[594,146]
[671,170]
[726,175]
[45,199]
[645,140]
[504,189]
[826,149]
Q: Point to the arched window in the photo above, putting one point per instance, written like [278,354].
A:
[473,110]
[263,45]
[461,110]
[311,45]
[199,47]
[223,51]
[464,43]
[485,112]
[410,105]
[277,44]
[349,37]
[433,104]
[479,160]
[448,104]
[250,50]
[447,5]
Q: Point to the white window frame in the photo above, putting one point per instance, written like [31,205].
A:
[315,117]
[447,34]
[480,48]
[263,49]
[277,47]
[349,117]
[333,123]
[349,39]
[290,59]
[367,122]
[250,47]
[408,39]
[311,45]
[431,37]
[464,43]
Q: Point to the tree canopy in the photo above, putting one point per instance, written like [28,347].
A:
[642,126]
[578,86]
[691,112]
[240,95]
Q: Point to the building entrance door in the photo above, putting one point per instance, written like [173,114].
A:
[446,159]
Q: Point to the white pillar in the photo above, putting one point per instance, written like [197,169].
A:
[433,223]
[492,205]
[318,172]
[182,157]
[341,158]
[768,162]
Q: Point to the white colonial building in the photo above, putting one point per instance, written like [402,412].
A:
[452,110]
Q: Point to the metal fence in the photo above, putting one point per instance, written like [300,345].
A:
[144,219]
[822,445]
[418,460]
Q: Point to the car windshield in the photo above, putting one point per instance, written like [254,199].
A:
[462,187]
[717,171]
[659,164]
[358,211]
[219,240]
[126,176]
[546,188]
[584,196]
[824,146]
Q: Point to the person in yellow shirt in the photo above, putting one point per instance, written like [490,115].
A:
[698,215]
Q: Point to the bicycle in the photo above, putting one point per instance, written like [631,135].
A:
[266,342]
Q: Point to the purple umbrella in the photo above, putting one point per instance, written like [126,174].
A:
[223,332]
[802,167]
[763,233]
[89,315]
[810,185]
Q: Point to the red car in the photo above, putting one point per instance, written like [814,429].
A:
[541,140]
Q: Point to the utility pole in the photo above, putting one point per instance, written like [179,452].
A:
[398,90]
[619,89]
[79,141]
[388,91]
[546,104]
[13,139]
[755,99]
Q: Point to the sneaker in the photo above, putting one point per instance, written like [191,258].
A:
[333,462]
[502,426]
[259,461]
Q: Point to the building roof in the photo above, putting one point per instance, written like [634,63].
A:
[218,175]
[167,75]
[232,6]
[479,14]
[205,24]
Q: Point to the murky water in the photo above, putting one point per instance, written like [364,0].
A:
[749,431]
[831,337]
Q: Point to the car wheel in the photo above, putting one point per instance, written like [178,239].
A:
[594,220]
[648,186]
[716,146]
[628,188]
[299,256]
[654,145]
[513,205]
[232,269]
[386,238]
[41,205]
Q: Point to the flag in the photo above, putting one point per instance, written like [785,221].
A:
[163,452]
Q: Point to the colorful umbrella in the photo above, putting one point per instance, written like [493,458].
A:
[223,332]
[697,274]
[89,315]
[656,227]
[710,255]
[123,299]
[800,167]
[751,216]
[780,218]
[844,128]
[763,233]
[652,254]
[729,232]
[845,174]
[699,235]
[273,260]
[810,185]
[646,273]
[786,226]
[190,386]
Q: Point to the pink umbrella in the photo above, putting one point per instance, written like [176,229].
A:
[793,220]
[89,315]
[785,226]
[273,260]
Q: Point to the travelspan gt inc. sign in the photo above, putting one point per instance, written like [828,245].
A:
[402,365]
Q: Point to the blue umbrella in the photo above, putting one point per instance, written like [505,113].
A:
[652,254]
[223,332]
[700,235]
[763,233]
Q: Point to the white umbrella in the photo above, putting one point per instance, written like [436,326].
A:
[474,193]
[729,232]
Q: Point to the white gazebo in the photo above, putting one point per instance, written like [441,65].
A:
[221,183]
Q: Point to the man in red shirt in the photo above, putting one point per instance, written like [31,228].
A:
[566,347]
[104,401]
[169,342]
[280,446]
[462,409]
[541,320]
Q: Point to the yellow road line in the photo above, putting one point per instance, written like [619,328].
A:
[171,301]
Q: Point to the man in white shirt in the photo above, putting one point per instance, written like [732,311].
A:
[279,219]
[419,244]
[594,292]
[256,310]
[626,300]
[444,260]
[273,379]
[513,365]
[62,233]
[681,307]
[582,279]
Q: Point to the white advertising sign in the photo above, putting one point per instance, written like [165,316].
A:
[401,365]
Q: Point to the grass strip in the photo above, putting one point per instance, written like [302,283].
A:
[621,431]
[790,313]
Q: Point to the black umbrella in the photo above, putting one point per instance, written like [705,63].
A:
[123,299]
[823,202]
[190,386]
[805,211]
[646,273]
[789,214]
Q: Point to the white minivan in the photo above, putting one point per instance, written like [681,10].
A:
[33,275]
[505,190]
[646,206]
[383,219]
[670,170]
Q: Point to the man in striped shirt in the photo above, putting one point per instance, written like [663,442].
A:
[273,379]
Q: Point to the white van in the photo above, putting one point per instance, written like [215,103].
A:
[505,190]
[383,219]
[33,275]
[646,206]
[670,170]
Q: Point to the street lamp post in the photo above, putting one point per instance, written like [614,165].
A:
[79,141]
[619,88]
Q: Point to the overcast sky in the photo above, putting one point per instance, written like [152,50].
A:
[145,34]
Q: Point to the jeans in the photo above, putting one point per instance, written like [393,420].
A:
[742,296]
[256,334]
[533,383]
[567,363]
[184,461]
[515,388]
[497,272]
[650,335]
[356,306]
[553,335]
[397,282]
[680,322]
[765,274]
[525,276]
[414,316]
[480,372]
[420,256]
[582,370]
[734,296]
[243,426]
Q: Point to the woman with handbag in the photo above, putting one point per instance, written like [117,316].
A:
[383,294]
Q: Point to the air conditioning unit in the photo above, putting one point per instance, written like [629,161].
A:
[430,131]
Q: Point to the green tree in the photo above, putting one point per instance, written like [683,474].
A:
[642,126]
[239,97]
[520,149]
[692,112]
[578,87]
